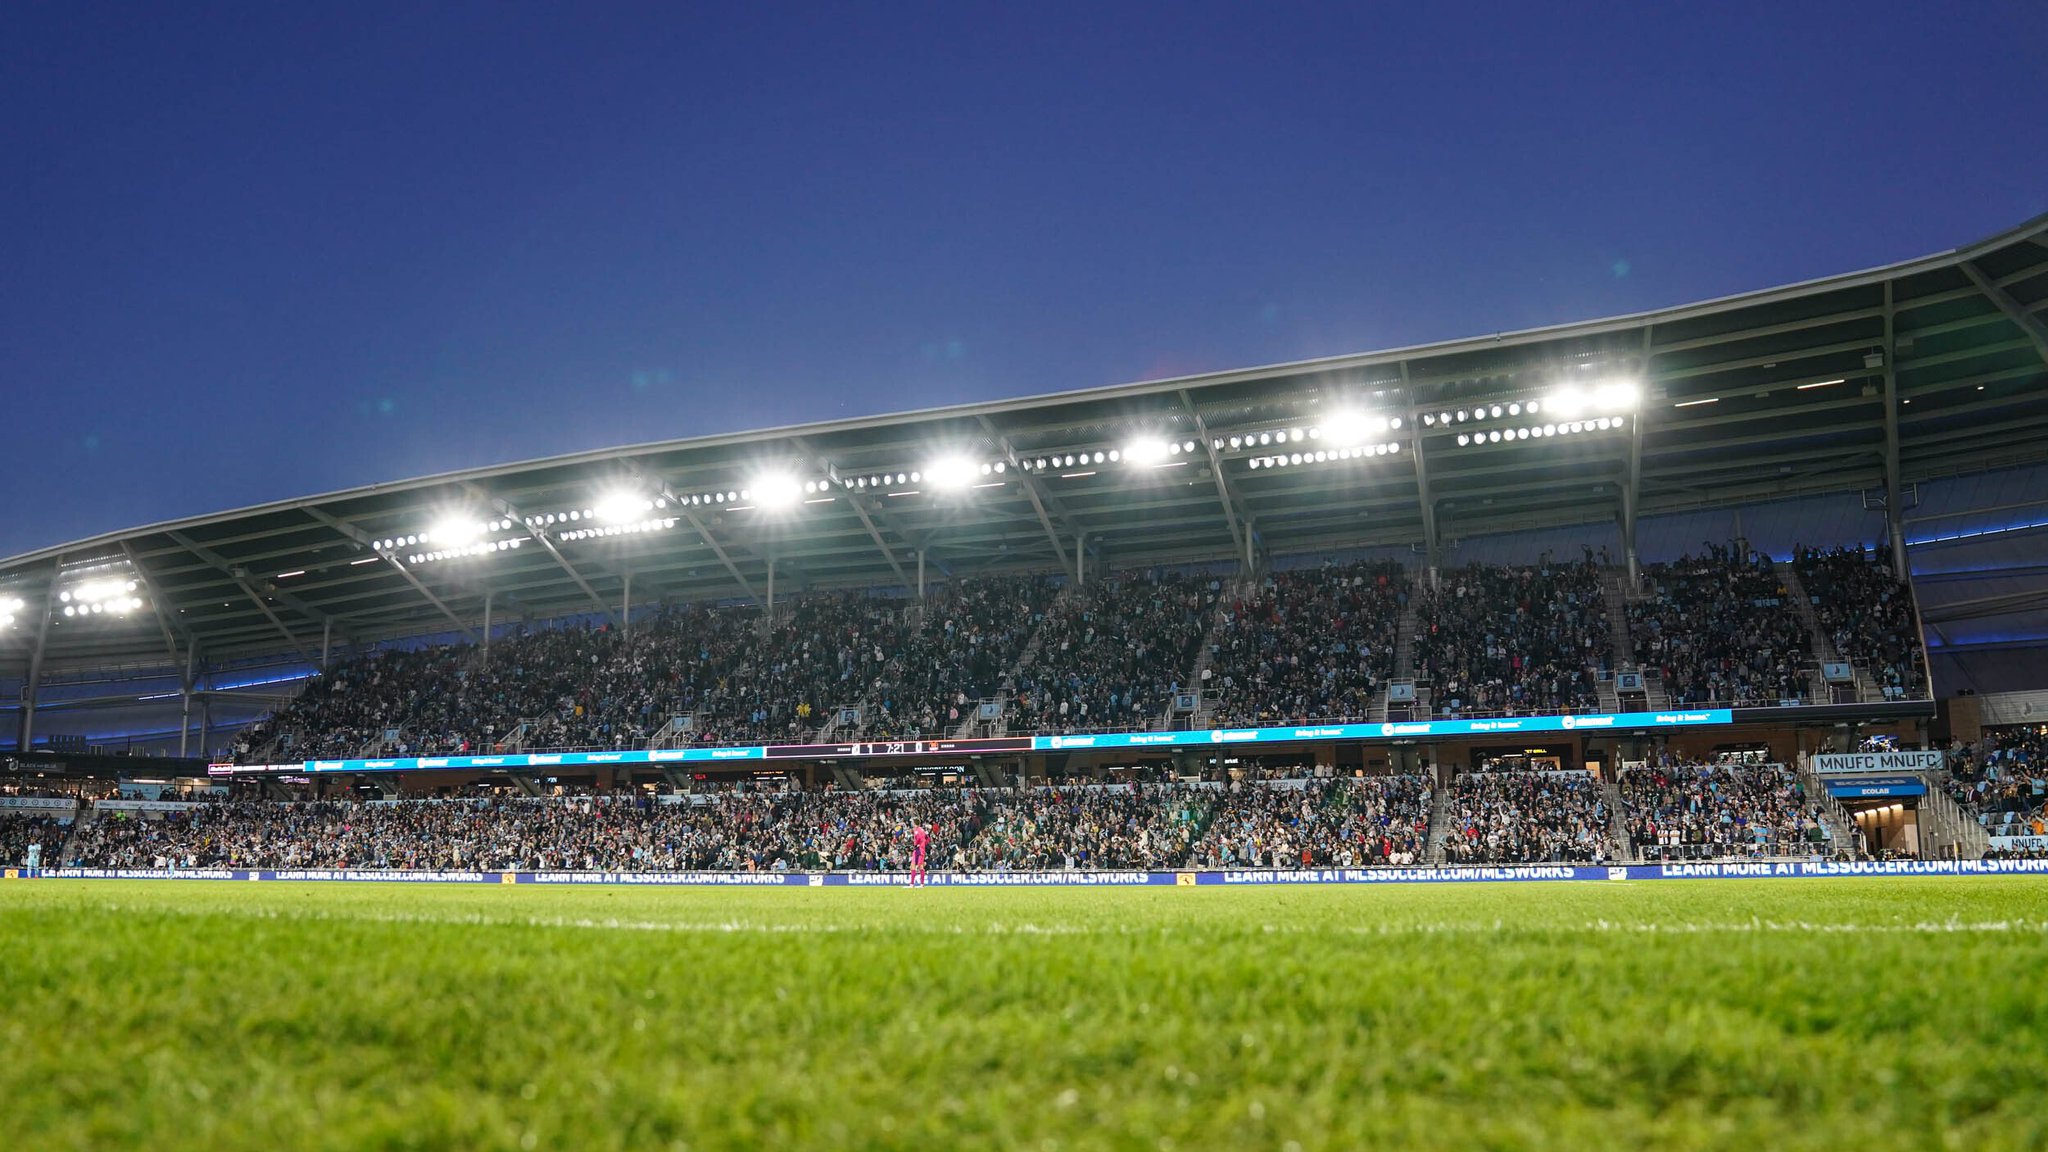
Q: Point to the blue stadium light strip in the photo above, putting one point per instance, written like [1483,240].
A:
[1220,737]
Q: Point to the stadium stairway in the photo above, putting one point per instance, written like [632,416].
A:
[1404,638]
[1946,831]
[830,732]
[1823,644]
[85,816]
[1238,590]
[1614,589]
[1008,688]
[1610,701]
[1617,817]
[1840,825]
[1439,819]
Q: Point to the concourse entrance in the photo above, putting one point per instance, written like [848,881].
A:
[1886,810]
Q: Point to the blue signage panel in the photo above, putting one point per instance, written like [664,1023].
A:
[1401,730]
[1858,787]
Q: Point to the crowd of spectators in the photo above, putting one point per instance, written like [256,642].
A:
[1308,645]
[1868,612]
[2002,780]
[1723,629]
[1112,826]
[18,830]
[579,686]
[972,638]
[1518,640]
[733,831]
[599,687]
[1528,818]
[1301,646]
[1671,810]
[1113,653]
[1340,822]
[1688,811]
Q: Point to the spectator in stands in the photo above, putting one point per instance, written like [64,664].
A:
[1528,818]
[1112,654]
[1345,822]
[1722,629]
[1869,614]
[1519,641]
[1309,645]
[19,830]
[1678,810]
[2003,780]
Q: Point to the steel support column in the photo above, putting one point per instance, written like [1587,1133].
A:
[2029,325]
[717,549]
[1632,482]
[1039,500]
[1894,510]
[185,712]
[239,576]
[156,604]
[1432,543]
[32,689]
[546,541]
[1239,539]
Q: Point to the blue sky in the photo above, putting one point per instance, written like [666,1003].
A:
[266,251]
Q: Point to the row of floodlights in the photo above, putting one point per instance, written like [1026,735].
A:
[1139,453]
[637,526]
[1340,431]
[1343,435]
[1325,455]
[1540,431]
[476,549]
[8,608]
[100,597]
[452,533]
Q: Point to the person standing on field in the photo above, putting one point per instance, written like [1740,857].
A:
[920,839]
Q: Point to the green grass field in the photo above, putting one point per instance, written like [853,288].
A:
[1901,1013]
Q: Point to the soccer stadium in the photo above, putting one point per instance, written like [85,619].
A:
[1686,667]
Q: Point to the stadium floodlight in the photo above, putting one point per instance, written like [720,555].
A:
[99,597]
[9,609]
[454,530]
[1617,395]
[620,507]
[1349,426]
[953,473]
[1147,452]
[775,490]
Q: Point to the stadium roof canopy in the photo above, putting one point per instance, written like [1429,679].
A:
[1876,380]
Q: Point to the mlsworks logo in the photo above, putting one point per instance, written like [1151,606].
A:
[1571,722]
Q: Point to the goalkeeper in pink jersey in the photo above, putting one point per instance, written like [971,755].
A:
[919,840]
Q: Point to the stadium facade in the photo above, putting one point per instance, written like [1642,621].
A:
[1900,408]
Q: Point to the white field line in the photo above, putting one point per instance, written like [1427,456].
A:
[739,927]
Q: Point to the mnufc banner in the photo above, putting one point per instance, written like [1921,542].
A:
[1517,873]
[1829,763]
[1235,737]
